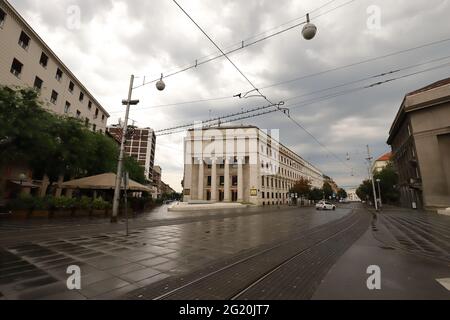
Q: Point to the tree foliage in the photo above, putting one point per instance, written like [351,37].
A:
[52,144]
[388,180]
[316,194]
[327,190]
[342,193]
[302,187]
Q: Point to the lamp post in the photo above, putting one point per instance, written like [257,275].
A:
[160,85]
[369,159]
[22,177]
[379,191]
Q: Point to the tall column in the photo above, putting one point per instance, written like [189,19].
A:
[240,180]
[213,179]
[226,186]
[200,179]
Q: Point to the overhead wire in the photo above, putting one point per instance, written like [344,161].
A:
[303,77]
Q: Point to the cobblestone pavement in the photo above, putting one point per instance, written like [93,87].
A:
[415,232]
[33,261]
[411,250]
[291,269]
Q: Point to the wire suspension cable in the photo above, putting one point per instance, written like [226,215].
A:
[316,74]
[242,45]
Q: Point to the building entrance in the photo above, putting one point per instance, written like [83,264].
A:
[234,196]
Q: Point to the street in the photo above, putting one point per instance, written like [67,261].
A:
[257,253]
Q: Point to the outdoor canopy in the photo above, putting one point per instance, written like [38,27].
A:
[105,181]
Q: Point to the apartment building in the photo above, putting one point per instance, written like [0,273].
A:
[420,141]
[242,164]
[140,144]
[27,61]
[381,162]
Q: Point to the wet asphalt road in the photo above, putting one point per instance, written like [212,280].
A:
[258,253]
[34,255]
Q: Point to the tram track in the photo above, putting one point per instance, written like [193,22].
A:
[243,278]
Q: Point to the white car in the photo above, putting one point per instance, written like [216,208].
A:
[323,205]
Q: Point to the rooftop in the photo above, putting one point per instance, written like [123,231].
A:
[385,157]
[436,84]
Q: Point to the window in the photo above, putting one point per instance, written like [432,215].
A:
[71,87]
[2,17]
[54,97]
[86,122]
[67,107]
[78,114]
[94,127]
[262,181]
[38,83]
[90,105]
[222,180]
[81,98]
[209,181]
[44,60]
[234,180]
[96,113]
[59,74]
[16,67]
[103,117]
[24,40]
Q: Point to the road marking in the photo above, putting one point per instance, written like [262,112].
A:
[445,282]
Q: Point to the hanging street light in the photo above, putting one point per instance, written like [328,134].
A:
[309,29]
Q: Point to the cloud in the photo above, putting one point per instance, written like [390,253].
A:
[147,38]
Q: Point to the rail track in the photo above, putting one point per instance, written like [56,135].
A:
[291,269]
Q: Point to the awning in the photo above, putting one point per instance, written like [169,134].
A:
[105,181]
[25,184]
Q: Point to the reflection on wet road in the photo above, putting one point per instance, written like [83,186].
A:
[113,264]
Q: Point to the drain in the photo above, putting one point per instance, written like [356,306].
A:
[387,248]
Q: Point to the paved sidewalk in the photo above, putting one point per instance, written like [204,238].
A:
[113,264]
[407,246]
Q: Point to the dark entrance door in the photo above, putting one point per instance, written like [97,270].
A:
[233,195]
[208,195]
[221,196]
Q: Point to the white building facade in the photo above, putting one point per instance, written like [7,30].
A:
[26,61]
[242,164]
[352,196]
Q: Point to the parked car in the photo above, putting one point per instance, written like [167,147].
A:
[324,205]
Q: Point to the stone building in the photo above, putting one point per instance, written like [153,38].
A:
[242,164]
[140,144]
[27,61]
[420,141]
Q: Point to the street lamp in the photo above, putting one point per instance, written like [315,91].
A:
[22,177]
[160,85]
[309,30]
[379,191]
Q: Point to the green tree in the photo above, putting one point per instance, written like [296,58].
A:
[388,180]
[342,193]
[327,190]
[302,187]
[134,169]
[315,194]
[54,145]
[365,191]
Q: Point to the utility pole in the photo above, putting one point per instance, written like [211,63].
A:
[369,159]
[120,162]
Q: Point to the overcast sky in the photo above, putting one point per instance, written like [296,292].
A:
[117,38]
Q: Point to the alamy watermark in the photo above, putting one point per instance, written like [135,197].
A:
[74,280]
[374,18]
[232,145]
[73,17]
[374,280]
